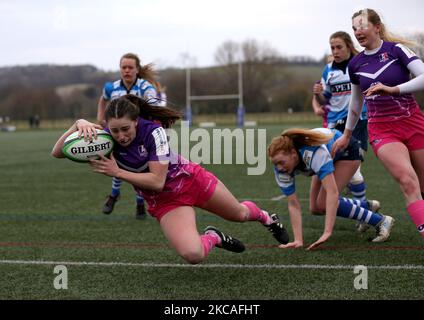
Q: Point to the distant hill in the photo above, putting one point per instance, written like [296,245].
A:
[49,75]
[73,91]
[46,75]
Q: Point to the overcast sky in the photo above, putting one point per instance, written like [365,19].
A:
[161,31]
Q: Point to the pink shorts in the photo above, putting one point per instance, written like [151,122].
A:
[409,131]
[193,188]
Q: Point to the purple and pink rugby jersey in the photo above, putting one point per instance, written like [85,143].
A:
[387,66]
[187,183]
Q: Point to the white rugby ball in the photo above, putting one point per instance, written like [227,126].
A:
[76,149]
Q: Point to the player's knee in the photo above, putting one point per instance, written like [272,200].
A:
[408,183]
[242,214]
[192,256]
[317,210]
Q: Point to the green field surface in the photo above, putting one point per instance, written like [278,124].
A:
[50,214]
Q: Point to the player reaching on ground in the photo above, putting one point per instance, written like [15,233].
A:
[308,152]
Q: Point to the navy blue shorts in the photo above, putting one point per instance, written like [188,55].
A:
[360,132]
[352,152]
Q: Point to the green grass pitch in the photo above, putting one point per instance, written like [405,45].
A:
[50,214]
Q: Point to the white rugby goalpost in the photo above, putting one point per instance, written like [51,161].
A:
[239,96]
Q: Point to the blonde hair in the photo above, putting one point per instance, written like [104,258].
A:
[295,138]
[373,17]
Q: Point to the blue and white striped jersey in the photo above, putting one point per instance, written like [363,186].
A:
[337,90]
[315,160]
[141,88]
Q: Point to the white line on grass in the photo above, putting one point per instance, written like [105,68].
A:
[234,266]
[276,198]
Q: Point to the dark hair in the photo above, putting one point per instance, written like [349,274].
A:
[133,107]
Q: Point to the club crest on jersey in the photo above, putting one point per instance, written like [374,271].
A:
[142,151]
[421,228]
[383,57]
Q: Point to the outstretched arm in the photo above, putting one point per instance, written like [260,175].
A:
[331,205]
[295,212]
[85,128]
[152,180]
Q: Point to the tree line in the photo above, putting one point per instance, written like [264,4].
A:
[271,83]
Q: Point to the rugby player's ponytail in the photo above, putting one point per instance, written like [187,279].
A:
[295,138]
[132,107]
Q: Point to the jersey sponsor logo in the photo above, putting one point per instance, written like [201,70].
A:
[307,158]
[161,142]
[383,57]
[341,88]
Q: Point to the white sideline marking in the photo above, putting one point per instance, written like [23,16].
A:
[279,197]
[276,198]
[234,266]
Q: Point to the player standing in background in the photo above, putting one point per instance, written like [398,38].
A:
[171,185]
[308,152]
[335,92]
[382,72]
[137,80]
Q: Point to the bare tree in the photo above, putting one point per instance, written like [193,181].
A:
[249,50]
[187,60]
[227,53]
[253,51]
